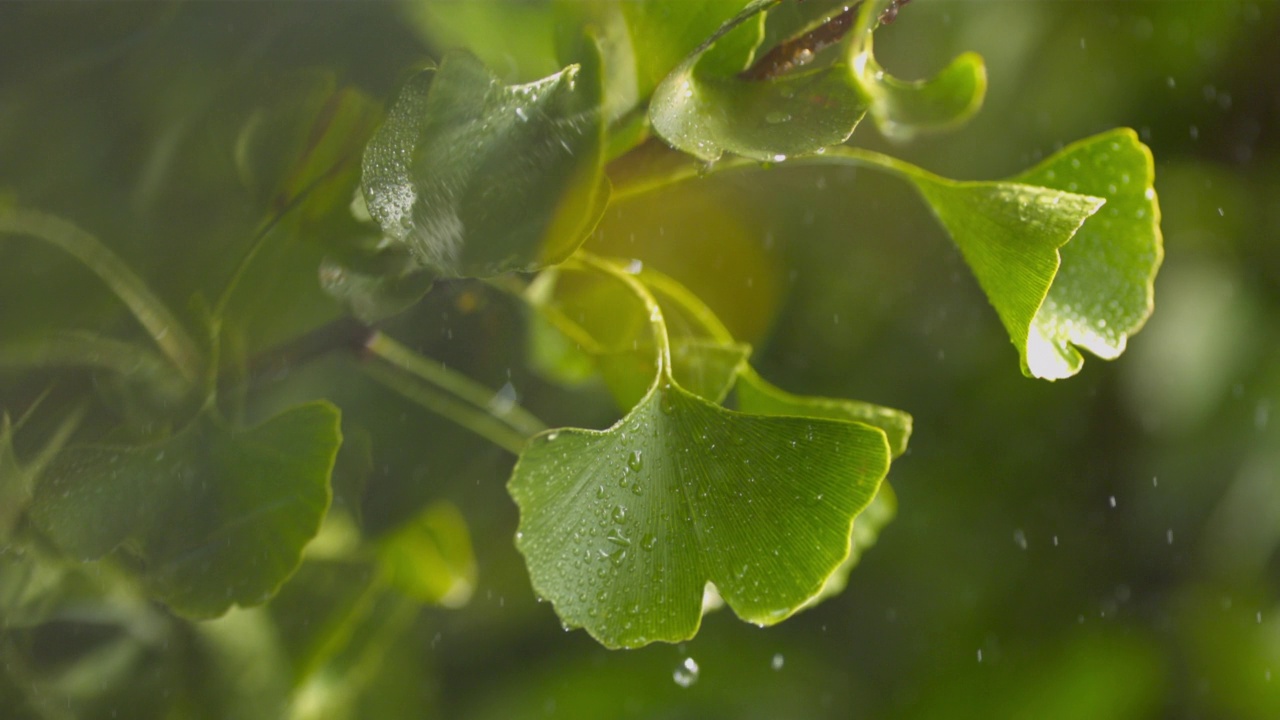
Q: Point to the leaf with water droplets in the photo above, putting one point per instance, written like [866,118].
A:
[1051,294]
[209,518]
[476,178]
[623,528]
[1104,291]
[1009,233]
[705,112]
[774,111]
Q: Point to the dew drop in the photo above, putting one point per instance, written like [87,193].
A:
[648,542]
[635,461]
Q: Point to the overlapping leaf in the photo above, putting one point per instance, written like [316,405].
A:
[704,107]
[209,518]
[1050,294]
[476,178]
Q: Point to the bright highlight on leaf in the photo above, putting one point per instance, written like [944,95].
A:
[477,178]
[209,518]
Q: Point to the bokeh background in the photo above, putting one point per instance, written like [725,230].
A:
[1103,546]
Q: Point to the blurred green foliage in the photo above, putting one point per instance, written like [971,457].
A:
[1100,547]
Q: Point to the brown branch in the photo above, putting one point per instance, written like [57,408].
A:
[800,50]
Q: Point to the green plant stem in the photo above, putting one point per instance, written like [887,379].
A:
[656,320]
[164,328]
[450,394]
[85,349]
[841,155]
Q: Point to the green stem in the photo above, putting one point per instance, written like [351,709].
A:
[84,349]
[841,155]
[656,319]
[164,328]
[450,394]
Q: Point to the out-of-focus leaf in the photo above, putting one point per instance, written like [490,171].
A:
[429,558]
[517,40]
[476,178]
[303,139]
[210,518]
[17,480]
[316,610]
[664,33]
[374,296]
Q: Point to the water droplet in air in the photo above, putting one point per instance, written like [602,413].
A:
[686,673]
[777,661]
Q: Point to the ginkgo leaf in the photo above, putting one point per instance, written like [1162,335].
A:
[1009,234]
[209,518]
[1051,294]
[1103,292]
[623,528]
[476,178]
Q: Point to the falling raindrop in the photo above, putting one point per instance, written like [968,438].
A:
[686,673]
[777,661]
[1020,538]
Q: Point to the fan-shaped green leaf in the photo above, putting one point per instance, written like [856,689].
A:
[1104,291]
[476,178]
[1009,233]
[209,518]
[621,529]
